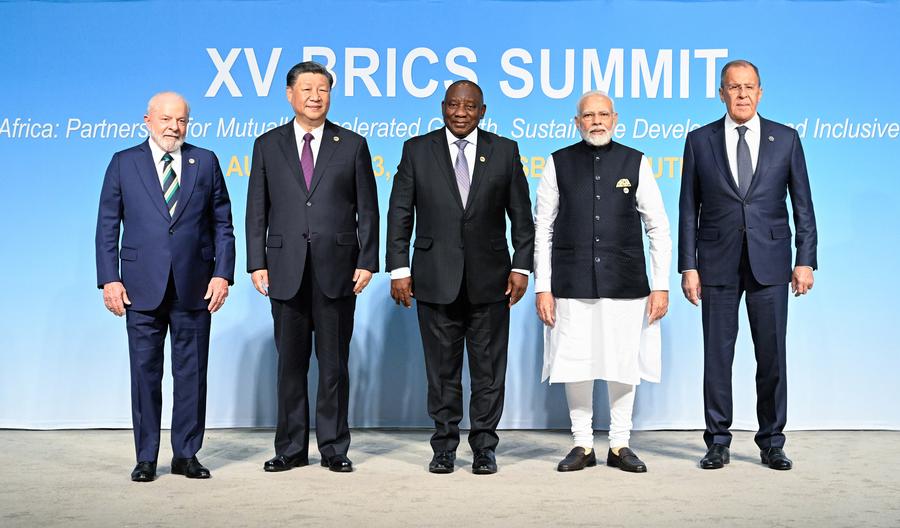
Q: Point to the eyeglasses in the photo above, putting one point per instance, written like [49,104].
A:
[736,88]
[602,116]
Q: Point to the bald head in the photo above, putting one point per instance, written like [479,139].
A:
[170,98]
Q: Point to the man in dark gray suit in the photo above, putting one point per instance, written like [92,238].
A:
[460,184]
[312,246]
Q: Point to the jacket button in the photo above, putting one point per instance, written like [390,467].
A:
[596,239]
[597,177]
[741,228]
[171,230]
[596,259]
[597,218]
[597,196]
[308,204]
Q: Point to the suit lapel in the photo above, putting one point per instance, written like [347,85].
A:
[146,168]
[188,179]
[482,155]
[441,153]
[717,144]
[331,140]
[288,144]
[762,157]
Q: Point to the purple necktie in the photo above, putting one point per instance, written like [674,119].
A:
[461,167]
[306,159]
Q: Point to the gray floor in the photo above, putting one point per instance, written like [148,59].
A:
[80,478]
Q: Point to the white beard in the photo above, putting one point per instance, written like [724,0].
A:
[167,144]
[596,141]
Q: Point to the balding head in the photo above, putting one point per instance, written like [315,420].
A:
[167,117]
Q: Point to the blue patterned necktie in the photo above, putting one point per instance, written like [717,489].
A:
[462,171]
[170,186]
[744,163]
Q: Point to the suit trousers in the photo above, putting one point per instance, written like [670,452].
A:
[767,312]
[483,329]
[190,353]
[310,312]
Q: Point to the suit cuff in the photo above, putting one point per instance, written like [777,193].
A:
[400,273]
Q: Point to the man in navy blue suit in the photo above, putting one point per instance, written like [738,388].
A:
[177,261]
[734,240]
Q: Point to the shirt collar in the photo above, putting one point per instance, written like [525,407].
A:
[752,125]
[472,138]
[317,132]
[157,152]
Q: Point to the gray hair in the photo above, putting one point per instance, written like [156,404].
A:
[156,97]
[738,62]
[593,93]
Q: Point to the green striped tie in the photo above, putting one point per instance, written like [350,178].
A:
[170,184]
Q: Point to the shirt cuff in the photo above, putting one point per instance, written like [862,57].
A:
[400,273]
[523,272]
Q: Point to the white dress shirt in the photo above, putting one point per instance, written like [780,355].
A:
[471,147]
[157,152]
[731,141]
[316,142]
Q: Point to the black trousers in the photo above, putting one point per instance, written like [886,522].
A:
[484,331]
[190,355]
[310,313]
[767,312]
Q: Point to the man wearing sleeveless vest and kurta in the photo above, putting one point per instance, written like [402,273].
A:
[601,312]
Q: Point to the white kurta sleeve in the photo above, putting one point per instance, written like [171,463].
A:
[546,207]
[656,225]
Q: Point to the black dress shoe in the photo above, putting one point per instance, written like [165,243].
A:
[626,460]
[485,462]
[775,458]
[144,472]
[442,462]
[716,457]
[284,463]
[576,460]
[190,468]
[337,463]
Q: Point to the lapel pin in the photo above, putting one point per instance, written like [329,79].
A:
[191,161]
[482,159]
[336,139]
[771,139]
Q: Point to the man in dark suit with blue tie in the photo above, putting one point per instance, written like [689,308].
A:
[312,246]
[177,261]
[734,240]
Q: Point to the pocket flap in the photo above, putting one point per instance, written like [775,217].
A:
[782,231]
[708,234]
[423,242]
[273,241]
[347,239]
[127,253]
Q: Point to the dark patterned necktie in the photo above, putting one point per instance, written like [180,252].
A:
[170,186]
[744,164]
[306,159]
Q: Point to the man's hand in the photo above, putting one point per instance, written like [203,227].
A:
[546,307]
[801,280]
[115,298]
[260,280]
[657,305]
[216,293]
[690,285]
[361,277]
[401,291]
[516,285]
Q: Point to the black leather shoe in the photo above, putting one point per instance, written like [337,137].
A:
[337,463]
[485,462]
[576,460]
[284,463]
[775,458]
[716,457]
[190,468]
[626,460]
[442,462]
[144,472]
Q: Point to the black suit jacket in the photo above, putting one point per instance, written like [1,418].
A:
[714,217]
[451,238]
[338,214]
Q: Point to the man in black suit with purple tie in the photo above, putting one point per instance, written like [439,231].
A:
[733,240]
[312,246]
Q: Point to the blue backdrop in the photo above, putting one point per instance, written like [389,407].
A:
[76,78]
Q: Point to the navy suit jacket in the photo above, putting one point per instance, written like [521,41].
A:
[714,217]
[194,245]
[336,219]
